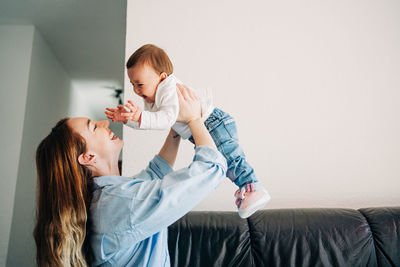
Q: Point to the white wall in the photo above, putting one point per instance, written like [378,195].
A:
[314,87]
[47,101]
[15,57]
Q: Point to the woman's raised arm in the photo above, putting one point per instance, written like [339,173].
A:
[170,148]
[190,113]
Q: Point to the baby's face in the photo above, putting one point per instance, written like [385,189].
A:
[145,81]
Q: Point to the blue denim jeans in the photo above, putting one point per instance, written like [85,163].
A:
[222,128]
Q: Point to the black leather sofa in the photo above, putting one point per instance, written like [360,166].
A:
[288,237]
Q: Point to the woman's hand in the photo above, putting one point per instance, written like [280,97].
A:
[189,104]
[190,113]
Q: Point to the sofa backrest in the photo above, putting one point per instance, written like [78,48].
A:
[288,237]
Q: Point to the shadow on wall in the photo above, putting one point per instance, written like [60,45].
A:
[47,100]
[50,96]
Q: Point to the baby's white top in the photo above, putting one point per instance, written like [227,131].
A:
[162,114]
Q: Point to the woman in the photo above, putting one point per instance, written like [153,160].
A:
[79,181]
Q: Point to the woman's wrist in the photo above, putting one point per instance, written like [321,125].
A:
[200,133]
[195,120]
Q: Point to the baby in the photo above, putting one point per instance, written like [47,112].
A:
[150,72]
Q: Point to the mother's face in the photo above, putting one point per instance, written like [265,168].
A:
[100,140]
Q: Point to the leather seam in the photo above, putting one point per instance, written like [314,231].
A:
[251,242]
[373,240]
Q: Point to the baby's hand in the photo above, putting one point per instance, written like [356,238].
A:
[135,113]
[115,114]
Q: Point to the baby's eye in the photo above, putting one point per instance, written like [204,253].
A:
[95,126]
[140,84]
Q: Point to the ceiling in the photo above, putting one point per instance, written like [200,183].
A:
[87,36]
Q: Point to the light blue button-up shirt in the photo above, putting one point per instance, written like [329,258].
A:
[130,215]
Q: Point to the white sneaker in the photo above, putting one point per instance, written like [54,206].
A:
[250,202]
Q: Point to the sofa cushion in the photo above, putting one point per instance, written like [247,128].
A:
[210,239]
[385,226]
[311,237]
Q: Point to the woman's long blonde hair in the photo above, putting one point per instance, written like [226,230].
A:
[63,199]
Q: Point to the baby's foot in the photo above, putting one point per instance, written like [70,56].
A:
[250,202]
[239,195]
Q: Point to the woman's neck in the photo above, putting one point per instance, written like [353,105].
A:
[105,168]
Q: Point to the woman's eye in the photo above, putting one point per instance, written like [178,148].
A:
[140,84]
[95,126]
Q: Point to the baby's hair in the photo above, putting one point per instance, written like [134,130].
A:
[153,56]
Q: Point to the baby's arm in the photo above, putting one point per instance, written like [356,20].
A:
[134,114]
[165,115]
[163,118]
[121,114]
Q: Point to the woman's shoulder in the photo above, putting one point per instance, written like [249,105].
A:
[109,180]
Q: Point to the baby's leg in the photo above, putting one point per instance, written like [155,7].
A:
[251,196]
[222,128]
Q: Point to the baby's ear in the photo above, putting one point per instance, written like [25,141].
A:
[86,159]
[163,76]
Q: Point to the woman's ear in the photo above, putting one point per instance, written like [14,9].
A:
[86,159]
[163,76]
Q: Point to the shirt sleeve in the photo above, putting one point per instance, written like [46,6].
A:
[159,203]
[157,168]
[133,124]
[154,204]
[167,111]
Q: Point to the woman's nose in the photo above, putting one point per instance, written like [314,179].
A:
[104,123]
